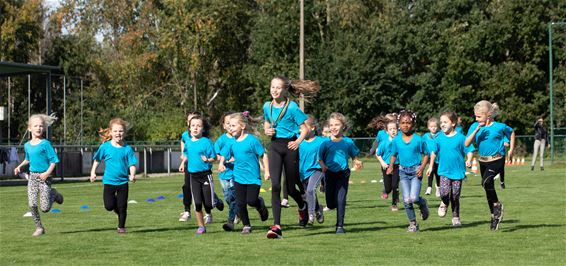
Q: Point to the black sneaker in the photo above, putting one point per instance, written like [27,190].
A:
[274,232]
[532,168]
[58,196]
[502,185]
[263,212]
[303,217]
[497,216]
[340,230]
[424,210]
[228,227]
[542,168]
[219,204]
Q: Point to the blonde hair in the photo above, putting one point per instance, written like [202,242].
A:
[340,117]
[105,133]
[46,120]
[298,86]
[245,119]
[432,120]
[492,109]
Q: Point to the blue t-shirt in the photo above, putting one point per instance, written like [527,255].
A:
[289,125]
[489,139]
[246,155]
[384,150]
[450,153]
[381,135]
[40,156]
[222,148]
[460,129]
[335,154]
[409,154]
[199,147]
[117,161]
[430,143]
[184,138]
[308,157]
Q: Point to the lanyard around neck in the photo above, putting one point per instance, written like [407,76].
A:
[274,123]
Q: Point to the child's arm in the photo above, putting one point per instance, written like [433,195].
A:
[133,173]
[293,145]
[323,166]
[17,169]
[207,160]
[95,164]
[221,166]
[471,137]
[390,168]
[432,159]
[183,163]
[182,149]
[266,174]
[511,145]
[267,129]
[421,168]
[358,165]
[382,162]
[43,176]
[469,156]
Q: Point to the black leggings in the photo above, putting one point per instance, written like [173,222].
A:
[433,174]
[280,156]
[391,183]
[247,195]
[488,171]
[202,188]
[116,199]
[336,192]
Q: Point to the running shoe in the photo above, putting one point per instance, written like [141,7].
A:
[326,209]
[246,230]
[320,216]
[208,218]
[497,216]
[237,219]
[303,216]
[38,231]
[394,208]
[311,218]
[413,227]
[340,230]
[228,227]
[285,203]
[502,184]
[274,232]
[442,209]
[428,190]
[121,231]
[456,222]
[201,230]
[384,196]
[424,210]
[184,216]
[58,196]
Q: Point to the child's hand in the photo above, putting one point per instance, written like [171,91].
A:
[221,168]
[428,171]
[269,131]
[420,172]
[92,177]
[204,159]
[510,154]
[231,160]
[384,166]
[389,169]
[358,165]
[293,145]
[133,178]
[43,176]
[266,175]
[16,170]
[182,168]
[468,163]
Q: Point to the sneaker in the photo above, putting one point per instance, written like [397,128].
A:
[428,190]
[228,227]
[121,231]
[456,222]
[246,230]
[285,203]
[497,216]
[381,180]
[320,217]
[394,208]
[274,232]
[542,168]
[219,204]
[442,210]
[413,227]
[263,212]
[496,177]
[384,195]
[237,219]
[424,210]
[184,216]
[207,218]
[311,218]
[201,230]
[502,184]
[340,230]
[38,231]
[532,168]
[437,192]
[326,209]
[303,217]
[58,196]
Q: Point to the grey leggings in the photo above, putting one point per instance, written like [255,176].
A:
[311,184]
[540,144]
[42,189]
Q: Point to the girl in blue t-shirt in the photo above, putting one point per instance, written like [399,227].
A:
[120,167]
[310,171]
[488,136]
[333,158]
[448,151]
[244,153]
[409,147]
[379,123]
[42,159]
[222,147]
[432,126]
[383,154]
[200,156]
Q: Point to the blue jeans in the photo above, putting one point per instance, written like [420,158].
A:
[336,192]
[411,188]
[230,198]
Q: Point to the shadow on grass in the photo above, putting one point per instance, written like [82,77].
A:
[95,230]
[529,226]
[466,225]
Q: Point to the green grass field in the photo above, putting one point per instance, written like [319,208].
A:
[532,232]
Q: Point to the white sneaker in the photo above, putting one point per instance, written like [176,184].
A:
[496,177]
[185,216]
[326,209]
[456,222]
[438,192]
[428,190]
[381,180]
[38,232]
[285,203]
[442,210]
[207,218]
[237,219]
[311,218]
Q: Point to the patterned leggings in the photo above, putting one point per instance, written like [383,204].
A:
[38,187]
[450,194]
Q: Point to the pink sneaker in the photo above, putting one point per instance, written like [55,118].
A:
[121,231]
[384,196]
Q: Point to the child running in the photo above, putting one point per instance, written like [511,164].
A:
[41,157]
[310,171]
[488,136]
[408,147]
[200,157]
[333,158]
[429,137]
[222,146]
[448,150]
[120,166]
[244,152]
[390,181]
